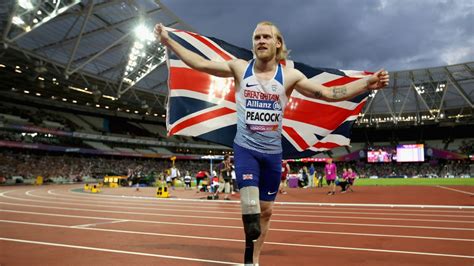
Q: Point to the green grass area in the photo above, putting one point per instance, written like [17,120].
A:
[415,182]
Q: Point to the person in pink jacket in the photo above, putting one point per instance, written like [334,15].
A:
[330,171]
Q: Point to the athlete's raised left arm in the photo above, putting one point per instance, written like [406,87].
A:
[311,89]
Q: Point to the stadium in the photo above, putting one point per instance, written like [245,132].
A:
[95,162]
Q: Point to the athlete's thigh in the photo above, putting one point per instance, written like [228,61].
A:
[270,176]
[247,167]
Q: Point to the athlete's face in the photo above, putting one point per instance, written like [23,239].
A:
[265,43]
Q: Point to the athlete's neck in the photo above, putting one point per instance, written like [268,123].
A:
[265,66]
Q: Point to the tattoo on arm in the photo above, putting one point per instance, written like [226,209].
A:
[318,95]
[339,92]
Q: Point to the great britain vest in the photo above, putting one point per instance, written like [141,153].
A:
[260,107]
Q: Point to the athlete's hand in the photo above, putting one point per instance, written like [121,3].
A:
[161,34]
[378,80]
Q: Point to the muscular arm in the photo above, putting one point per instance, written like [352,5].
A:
[193,60]
[341,92]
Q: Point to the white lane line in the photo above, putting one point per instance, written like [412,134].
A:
[271,243]
[271,229]
[96,224]
[305,203]
[238,219]
[115,251]
[226,226]
[275,212]
[374,250]
[225,218]
[457,190]
[234,213]
[371,235]
[125,231]
[5,192]
[377,205]
[152,199]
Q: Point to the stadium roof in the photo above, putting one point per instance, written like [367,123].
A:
[92,49]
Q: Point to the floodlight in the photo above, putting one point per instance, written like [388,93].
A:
[143,33]
[31,14]
[27,4]
[18,21]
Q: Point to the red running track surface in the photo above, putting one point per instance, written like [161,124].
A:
[60,225]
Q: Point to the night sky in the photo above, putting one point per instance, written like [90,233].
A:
[345,34]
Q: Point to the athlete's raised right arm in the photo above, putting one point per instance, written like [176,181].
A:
[195,61]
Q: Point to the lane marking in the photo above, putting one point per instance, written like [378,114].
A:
[237,227]
[5,192]
[235,219]
[80,199]
[374,250]
[372,235]
[226,218]
[228,226]
[238,240]
[301,203]
[378,205]
[114,251]
[96,224]
[280,204]
[457,190]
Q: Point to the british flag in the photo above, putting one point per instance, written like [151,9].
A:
[203,106]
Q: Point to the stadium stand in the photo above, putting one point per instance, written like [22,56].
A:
[97,122]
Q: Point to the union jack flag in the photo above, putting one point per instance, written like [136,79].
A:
[203,106]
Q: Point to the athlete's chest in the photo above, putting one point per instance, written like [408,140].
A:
[253,87]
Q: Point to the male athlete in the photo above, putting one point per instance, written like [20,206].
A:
[262,88]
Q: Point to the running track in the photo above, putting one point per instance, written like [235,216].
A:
[58,225]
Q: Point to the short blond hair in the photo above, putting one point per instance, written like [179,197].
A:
[282,52]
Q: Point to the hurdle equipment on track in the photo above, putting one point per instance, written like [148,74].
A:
[39,180]
[95,189]
[162,192]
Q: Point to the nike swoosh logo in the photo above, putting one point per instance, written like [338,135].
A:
[271,193]
[250,85]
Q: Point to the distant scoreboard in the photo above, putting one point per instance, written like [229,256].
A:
[410,153]
[115,180]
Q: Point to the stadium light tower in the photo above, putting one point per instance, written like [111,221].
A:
[145,55]
[28,15]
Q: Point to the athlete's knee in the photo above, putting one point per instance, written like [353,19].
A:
[251,226]
[266,213]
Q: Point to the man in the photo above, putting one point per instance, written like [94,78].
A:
[330,170]
[201,176]
[262,88]
[344,182]
[311,179]
[351,177]
[174,174]
[225,169]
[285,170]
[303,177]
[187,181]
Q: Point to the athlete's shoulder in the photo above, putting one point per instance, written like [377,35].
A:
[292,76]
[291,72]
[238,66]
[239,63]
